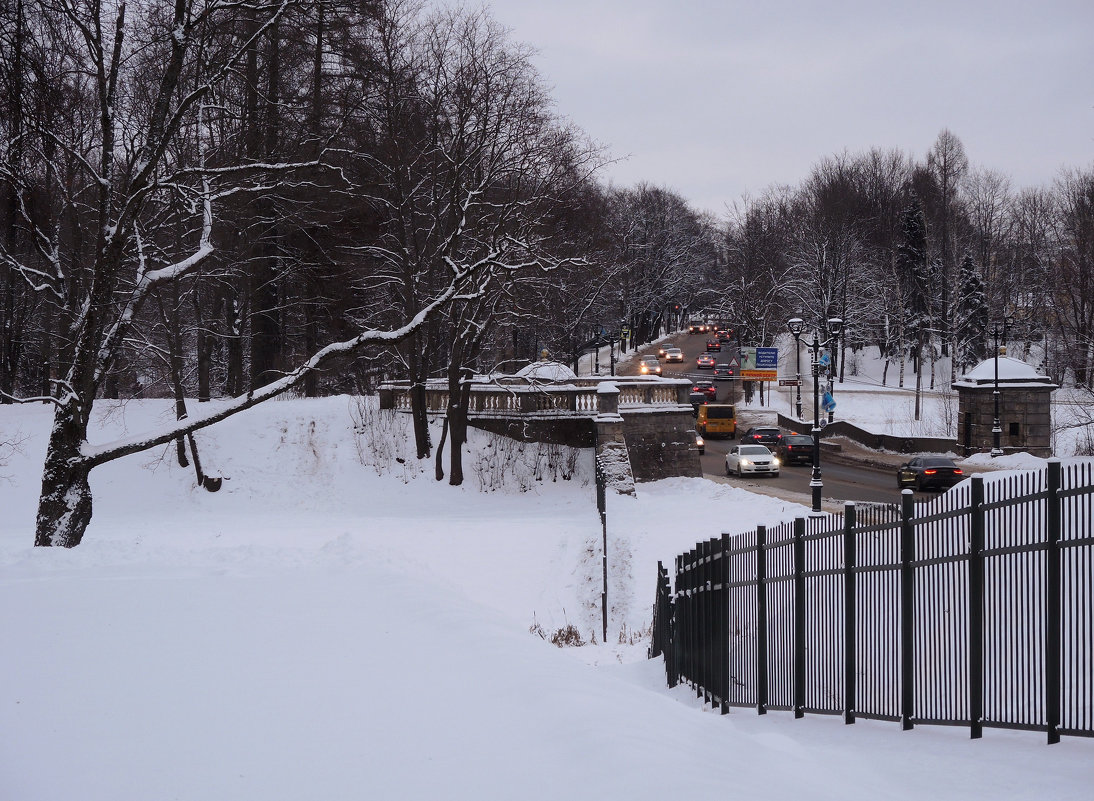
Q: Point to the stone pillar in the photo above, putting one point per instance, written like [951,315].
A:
[611,446]
[607,398]
[527,401]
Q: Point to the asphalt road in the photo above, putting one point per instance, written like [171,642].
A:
[843,480]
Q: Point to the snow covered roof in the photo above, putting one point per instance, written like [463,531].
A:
[547,371]
[1012,373]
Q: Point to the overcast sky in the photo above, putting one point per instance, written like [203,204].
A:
[718,98]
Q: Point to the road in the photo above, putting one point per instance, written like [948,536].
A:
[843,480]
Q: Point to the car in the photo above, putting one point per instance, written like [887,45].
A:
[674,355]
[927,472]
[795,449]
[697,328]
[713,345]
[697,399]
[716,420]
[663,349]
[700,444]
[725,336]
[752,459]
[710,392]
[704,361]
[723,371]
[649,365]
[762,435]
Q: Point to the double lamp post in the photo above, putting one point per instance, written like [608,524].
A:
[796,325]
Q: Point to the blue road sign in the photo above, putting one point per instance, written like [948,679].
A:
[767,358]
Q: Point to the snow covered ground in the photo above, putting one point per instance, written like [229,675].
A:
[333,624]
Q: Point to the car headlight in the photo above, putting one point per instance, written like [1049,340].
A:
[699,442]
[745,462]
[775,461]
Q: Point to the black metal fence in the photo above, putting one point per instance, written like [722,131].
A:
[973,610]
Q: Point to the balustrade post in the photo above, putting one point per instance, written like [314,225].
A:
[607,398]
[527,401]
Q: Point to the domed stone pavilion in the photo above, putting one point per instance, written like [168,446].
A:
[1025,408]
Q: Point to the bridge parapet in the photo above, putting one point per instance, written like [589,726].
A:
[644,420]
[581,397]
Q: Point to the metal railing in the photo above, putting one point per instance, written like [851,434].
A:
[973,610]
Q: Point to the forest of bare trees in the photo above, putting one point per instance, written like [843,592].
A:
[227,200]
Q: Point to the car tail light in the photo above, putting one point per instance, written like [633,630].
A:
[929,472]
[957,471]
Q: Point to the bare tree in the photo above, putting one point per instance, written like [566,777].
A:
[139,89]
[948,163]
[1074,273]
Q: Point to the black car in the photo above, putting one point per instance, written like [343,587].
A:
[763,435]
[707,388]
[714,344]
[795,449]
[722,371]
[697,399]
[925,472]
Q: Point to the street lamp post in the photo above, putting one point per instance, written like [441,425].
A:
[996,427]
[795,324]
[835,325]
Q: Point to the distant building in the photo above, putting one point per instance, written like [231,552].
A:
[1025,408]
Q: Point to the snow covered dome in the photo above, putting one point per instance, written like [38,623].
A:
[1012,372]
[547,371]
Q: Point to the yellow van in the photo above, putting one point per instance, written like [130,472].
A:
[717,420]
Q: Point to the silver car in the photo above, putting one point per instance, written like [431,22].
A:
[755,459]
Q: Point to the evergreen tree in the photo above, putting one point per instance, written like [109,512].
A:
[972,316]
[914,273]
[913,270]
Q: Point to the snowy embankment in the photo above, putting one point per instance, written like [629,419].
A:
[334,624]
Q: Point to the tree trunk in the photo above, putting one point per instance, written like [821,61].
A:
[234,346]
[439,465]
[918,373]
[64,508]
[457,414]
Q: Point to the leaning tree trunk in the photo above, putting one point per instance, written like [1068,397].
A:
[64,509]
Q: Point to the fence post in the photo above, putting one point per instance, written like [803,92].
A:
[907,610]
[761,620]
[602,507]
[703,641]
[850,653]
[712,623]
[799,617]
[723,625]
[678,617]
[976,608]
[1053,603]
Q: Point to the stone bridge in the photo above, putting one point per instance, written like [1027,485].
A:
[642,427]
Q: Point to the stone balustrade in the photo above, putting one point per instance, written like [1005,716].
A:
[646,419]
[582,397]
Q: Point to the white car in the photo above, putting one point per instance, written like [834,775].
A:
[674,355]
[756,459]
